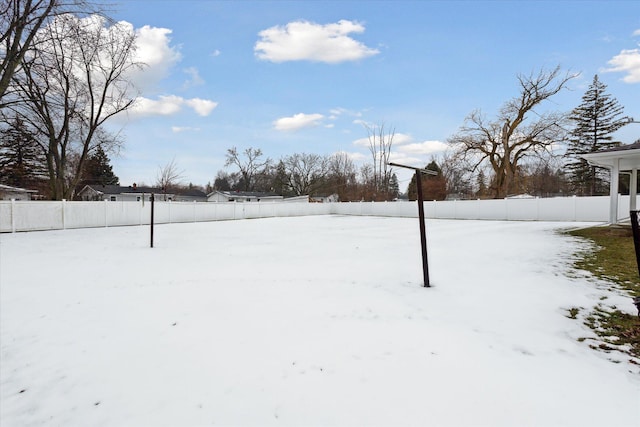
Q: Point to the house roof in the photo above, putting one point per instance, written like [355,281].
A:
[8,188]
[627,155]
[247,194]
[117,189]
[193,192]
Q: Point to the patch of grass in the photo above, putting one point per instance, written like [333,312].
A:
[617,330]
[573,313]
[612,259]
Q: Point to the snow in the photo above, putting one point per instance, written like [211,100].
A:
[305,321]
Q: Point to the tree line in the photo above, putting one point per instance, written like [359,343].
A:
[305,174]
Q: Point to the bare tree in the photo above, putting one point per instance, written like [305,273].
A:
[380,143]
[343,177]
[74,80]
[249,165]
[169,177]
[306,173]
[518,131]
[458,175]
[20,22]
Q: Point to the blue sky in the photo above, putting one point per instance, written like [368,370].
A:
[303,76]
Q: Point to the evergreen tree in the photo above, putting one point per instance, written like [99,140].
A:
[21,161]
[434,187]
[596,119]
[98,170]
[394,186]
[482,184]
[280,182]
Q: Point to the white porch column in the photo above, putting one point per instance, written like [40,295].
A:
[613,192]
[633,189]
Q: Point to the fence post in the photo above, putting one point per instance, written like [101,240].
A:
[106,213]
[506,209]
[13,215]
[64,205]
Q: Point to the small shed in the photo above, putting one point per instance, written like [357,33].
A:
[625,158]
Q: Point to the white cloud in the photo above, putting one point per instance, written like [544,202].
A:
[163,106]
[215,53]
[202,107]
[404,159]
[298,121]
[194,78]
[178,129]
[354,156]
[627,61]
[361,142]
[401,138]
[398,139]
[636,32]
[307,41]
[154,51]
[335,112]
[169,105]
[422,148]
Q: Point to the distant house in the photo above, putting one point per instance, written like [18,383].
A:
[15,193]
[190,195]
[134,193]
[331,198]
[298,199]
[243,196]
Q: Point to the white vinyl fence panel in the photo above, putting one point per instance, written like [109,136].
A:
[55,215]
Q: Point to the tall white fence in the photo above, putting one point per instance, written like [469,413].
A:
[56,215]
[589,209]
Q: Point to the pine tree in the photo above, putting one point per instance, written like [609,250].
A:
[434,187]
[596,119]
[21,161]
[482,185]
[98,170]
[394,186]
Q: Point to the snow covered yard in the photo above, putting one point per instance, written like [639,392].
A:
[304,321]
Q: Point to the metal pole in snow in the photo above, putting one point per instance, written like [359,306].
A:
[423,233]
[152,199]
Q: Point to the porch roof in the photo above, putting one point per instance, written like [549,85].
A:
[627,157]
